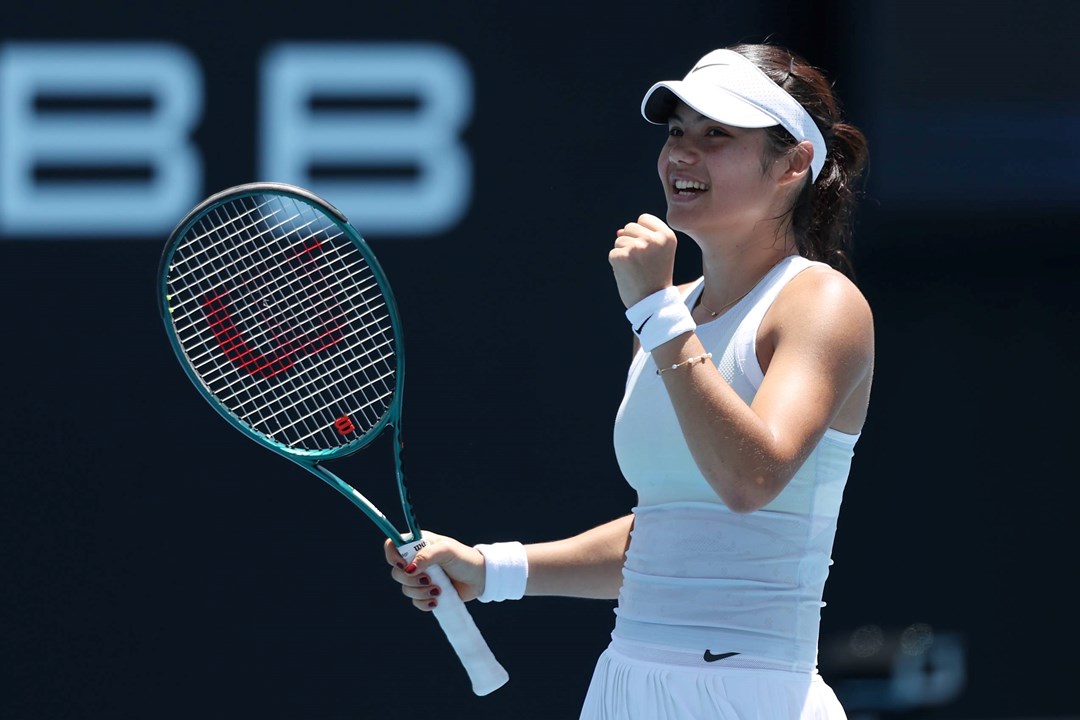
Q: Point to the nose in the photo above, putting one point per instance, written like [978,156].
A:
[680,152]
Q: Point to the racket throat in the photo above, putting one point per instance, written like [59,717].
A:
[356,498]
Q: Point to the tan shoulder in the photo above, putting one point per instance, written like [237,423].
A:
[820,312]
[825,293]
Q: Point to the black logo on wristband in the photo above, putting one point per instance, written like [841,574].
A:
[709,657]
[642,325]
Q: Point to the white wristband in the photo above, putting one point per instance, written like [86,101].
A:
[660,317]
[506,570]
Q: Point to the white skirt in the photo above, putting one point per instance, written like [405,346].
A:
[627,685]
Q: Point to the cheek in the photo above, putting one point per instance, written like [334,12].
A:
[738,168]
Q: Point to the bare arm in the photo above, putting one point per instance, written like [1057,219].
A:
[588,565]
[819,341]
[822,352]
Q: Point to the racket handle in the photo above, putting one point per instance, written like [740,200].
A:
[485,672]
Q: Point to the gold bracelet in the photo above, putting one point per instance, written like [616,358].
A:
[684,363]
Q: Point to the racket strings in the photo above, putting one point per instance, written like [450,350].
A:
[335,374]
[320,303]
[227,243]
[294,305]
[238,263]
[237,386]
[284,322]
[374,370]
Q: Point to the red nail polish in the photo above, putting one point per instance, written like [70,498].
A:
[434,592]
[411,568]
[432,604]
[401,566]
[425,580]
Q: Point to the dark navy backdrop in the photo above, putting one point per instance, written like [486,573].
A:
[157,564]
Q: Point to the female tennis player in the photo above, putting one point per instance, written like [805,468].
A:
[743,404]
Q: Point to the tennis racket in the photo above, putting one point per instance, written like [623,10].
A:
[281,316]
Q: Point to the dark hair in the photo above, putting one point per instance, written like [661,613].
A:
[824,211]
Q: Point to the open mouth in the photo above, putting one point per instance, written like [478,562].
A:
[689,187]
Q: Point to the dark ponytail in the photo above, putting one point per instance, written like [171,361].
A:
[824,211]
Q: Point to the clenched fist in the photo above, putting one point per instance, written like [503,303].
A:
[643,258]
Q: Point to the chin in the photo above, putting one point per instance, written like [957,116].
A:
[677,220]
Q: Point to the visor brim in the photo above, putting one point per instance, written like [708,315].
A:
[707,99]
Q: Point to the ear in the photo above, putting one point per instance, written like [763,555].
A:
[794,165]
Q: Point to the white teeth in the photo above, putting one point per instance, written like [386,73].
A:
[690,185]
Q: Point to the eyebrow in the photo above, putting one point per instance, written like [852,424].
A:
[732,130]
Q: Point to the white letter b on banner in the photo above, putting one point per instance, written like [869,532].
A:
[375,129]
[73,114]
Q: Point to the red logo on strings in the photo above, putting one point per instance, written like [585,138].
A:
[344,425]
[287,343]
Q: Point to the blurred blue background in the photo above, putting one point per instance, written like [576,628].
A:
[157,564]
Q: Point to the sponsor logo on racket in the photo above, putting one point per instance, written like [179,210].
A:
[314,335]
[344,425]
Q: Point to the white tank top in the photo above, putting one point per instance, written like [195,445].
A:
[697,576]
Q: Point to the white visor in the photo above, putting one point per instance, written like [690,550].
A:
[730,89]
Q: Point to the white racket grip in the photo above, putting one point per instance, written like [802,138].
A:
[485,672]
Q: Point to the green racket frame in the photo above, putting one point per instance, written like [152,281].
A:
[484,670]
[309,459]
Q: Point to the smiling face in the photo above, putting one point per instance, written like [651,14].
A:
[715,177]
